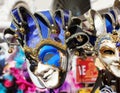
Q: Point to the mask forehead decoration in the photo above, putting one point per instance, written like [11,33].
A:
[42,37]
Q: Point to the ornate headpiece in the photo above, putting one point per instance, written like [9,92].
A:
[34,31]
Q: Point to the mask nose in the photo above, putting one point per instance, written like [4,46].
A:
[41,68]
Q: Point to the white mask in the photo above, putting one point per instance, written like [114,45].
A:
[108,53]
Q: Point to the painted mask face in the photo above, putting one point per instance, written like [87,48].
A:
[42,37]
[50,67]
[108,53]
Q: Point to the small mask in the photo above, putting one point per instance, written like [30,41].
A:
[107,47]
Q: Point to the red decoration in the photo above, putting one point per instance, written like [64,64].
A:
[86,72]
[8,83]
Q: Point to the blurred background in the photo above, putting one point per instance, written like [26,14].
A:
[79,6]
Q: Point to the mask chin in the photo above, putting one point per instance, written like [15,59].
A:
[34,79]
[115,71]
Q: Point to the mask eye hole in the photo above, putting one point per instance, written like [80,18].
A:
[1,48]
[109,52]
[47,57]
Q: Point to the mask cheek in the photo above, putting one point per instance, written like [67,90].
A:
[33,77]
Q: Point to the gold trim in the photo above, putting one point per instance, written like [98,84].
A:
[51,42]
[21,30]
[16,36]
[115,37]
[10,50]
[67,33]
[34,51]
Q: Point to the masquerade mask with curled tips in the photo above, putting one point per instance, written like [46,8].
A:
[77,39]
[93,23]
[108,46]
[42,38]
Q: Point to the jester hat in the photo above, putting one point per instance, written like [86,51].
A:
[41,35]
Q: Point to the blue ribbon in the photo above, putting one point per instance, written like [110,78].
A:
[61,34]
[43,26]
[32,36]
[13,27]
[16,15]
[66,17]
[18,19]
[60,24]
[48,16]
[108,22]
[113,13]
[44,29]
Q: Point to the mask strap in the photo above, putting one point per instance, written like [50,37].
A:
[98,81]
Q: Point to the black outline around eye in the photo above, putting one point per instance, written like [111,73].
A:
[110,52]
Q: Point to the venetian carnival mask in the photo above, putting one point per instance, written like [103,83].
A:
[107,47]
[42,38]
[78,40]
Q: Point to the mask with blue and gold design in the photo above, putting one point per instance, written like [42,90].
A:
[42,37]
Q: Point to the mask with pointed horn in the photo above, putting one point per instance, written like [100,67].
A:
[42,37]
[108,45]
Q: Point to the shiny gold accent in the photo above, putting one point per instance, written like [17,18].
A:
[53,29]
[67,33]
[106,48]
[51,42]
[27,49]
[79,38]
[35,52]
[91,27]
[114,32]
[31,51]
[10,50]
[115,36]
[22,30]
[15,35]
[77,53]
